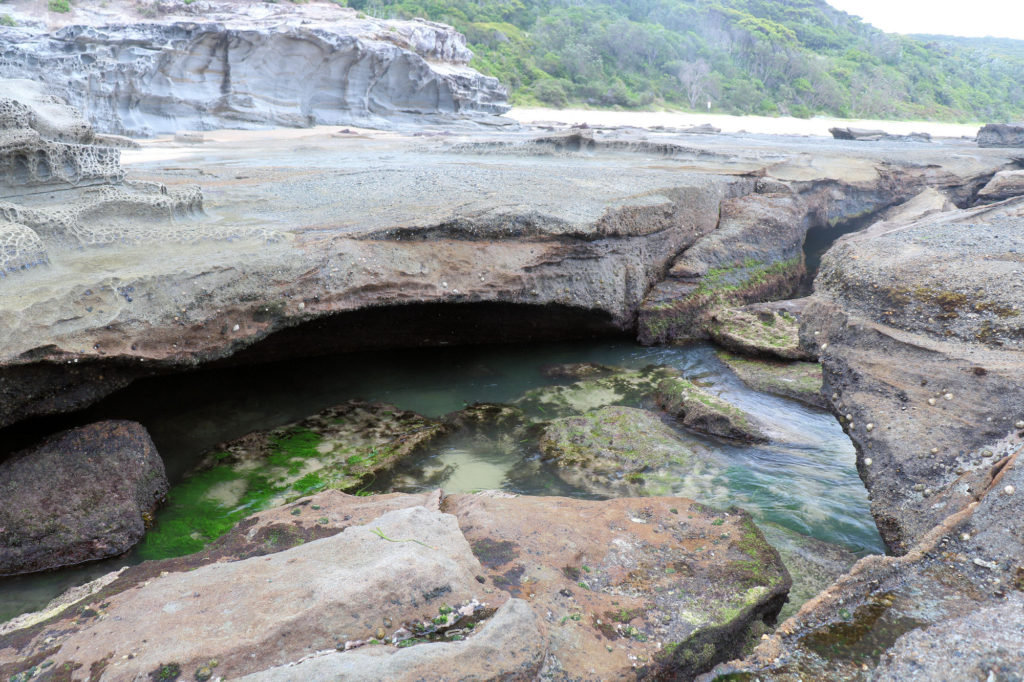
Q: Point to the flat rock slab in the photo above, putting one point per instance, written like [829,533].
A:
[800,381]
[394,575]
[757,332]
[641,586]
[82,495]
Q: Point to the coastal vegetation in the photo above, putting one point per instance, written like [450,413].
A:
[796,58]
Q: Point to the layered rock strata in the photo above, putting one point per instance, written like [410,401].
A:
[400,586]
[225,65]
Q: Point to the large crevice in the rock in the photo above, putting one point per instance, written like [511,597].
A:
[821,236]
[79,393]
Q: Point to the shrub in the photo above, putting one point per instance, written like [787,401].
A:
[62,6]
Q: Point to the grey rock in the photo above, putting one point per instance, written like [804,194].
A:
[1001,135]
[235,66]
[1003,185]
[82,495]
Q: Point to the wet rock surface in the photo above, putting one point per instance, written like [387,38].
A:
[85,494]
[759,332]
[232,65]
[612,447]
[800,381]
[890,617]
[703,412]
[343,448]
[393,586]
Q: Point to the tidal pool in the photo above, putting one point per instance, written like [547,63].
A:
[804,480]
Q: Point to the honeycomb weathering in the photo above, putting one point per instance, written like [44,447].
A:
[60,188]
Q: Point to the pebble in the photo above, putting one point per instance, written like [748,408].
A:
[867,461]
[870,427]
[948,396]
[1009,490]
[1019,424]
[235,328]
[931,401]
[824,346]
[935,451]
[965,537]
[986,453]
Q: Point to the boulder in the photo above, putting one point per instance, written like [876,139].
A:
[137,77]
[1001,135]
[343,447]
[800,381]
[628,588]
[84,494]
[1003,185]
[612,447]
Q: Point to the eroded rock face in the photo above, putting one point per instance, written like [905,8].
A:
[1003,185]
[82,495]
[341,587]
[220,65]
[919,326]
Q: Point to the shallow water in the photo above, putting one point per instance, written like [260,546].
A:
[804,480]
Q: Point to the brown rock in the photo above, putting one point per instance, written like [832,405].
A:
[84,494]
[631,587]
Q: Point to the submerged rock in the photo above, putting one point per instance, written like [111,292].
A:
[84,494]
[628,587]
[616,386]
[800,381]
[611,447]
[948,609]
[578,370]
[342,447]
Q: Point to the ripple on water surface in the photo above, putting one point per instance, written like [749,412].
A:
[805,479]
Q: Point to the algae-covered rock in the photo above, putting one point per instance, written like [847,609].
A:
[342,448]
[578,370]
[703,412]
[618,387]
[84,494]
[801,381]
[760,333]
[623,387]
[611,445]
[632,588]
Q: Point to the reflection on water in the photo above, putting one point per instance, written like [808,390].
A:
[804,480]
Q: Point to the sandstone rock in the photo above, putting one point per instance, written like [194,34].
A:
[800,381]
[269,274]
[84,494]
[510,645]
[1003,185]
[343,447]
[1001,135]
[402,570]
[612,447]
[628,587]
[920,338]
[142,78]
[706,413]
[764,333]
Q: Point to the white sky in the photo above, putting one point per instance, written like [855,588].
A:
[999,18]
